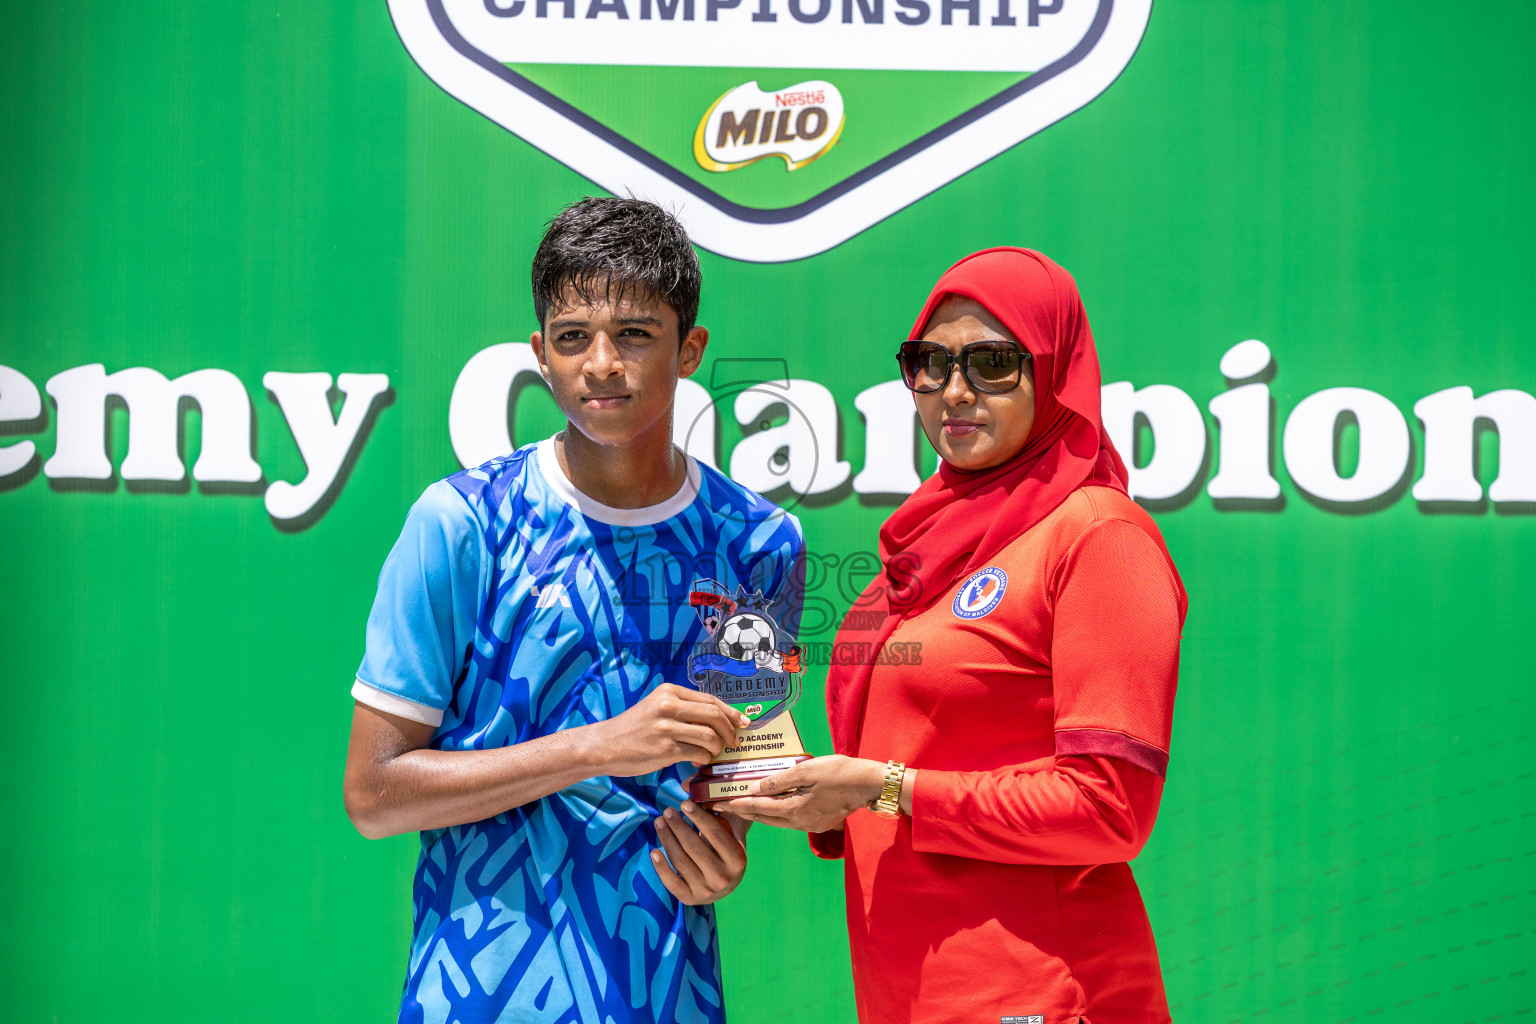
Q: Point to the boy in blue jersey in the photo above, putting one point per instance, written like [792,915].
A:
[522,699]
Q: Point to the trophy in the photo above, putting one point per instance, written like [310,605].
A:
[747,661]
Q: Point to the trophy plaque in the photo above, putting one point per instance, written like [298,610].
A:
[747,661]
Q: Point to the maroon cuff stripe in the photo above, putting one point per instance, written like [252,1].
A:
[1112,744]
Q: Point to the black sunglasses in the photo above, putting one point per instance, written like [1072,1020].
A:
[990,366]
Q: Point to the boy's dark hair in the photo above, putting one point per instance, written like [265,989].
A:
[608,246]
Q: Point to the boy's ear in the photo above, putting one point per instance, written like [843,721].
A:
[692,353]
[536,339]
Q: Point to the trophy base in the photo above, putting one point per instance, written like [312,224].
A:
[723,781]
[761,750]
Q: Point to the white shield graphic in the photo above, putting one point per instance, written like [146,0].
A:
[1071,51]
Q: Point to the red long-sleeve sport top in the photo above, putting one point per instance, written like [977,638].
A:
[1038,719]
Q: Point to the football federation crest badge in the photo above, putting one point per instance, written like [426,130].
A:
[868,104]
[980,593]
[746,660]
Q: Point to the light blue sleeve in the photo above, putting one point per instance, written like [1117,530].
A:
[422,625]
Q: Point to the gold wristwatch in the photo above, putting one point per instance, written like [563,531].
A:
[888,803]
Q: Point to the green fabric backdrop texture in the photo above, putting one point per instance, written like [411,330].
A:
[1349,829]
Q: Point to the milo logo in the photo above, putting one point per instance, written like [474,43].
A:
[746,125]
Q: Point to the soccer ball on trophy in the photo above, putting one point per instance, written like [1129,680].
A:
[744,635]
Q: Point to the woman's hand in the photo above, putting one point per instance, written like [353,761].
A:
[706,864]
[813,796]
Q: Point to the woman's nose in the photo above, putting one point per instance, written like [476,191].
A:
[957,390]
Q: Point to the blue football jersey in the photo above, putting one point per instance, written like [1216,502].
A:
[513,606]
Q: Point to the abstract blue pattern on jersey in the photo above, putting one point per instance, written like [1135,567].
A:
[517,616]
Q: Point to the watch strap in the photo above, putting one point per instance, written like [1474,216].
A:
[888,803]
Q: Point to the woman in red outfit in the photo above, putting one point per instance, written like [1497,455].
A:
[987,798]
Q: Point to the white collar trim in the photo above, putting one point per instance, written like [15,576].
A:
[549,468]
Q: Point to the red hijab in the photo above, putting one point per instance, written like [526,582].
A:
[957,521]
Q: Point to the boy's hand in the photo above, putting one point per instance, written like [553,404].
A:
[706,864]
[672,724]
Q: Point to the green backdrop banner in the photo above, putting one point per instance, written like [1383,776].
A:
[265,278]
